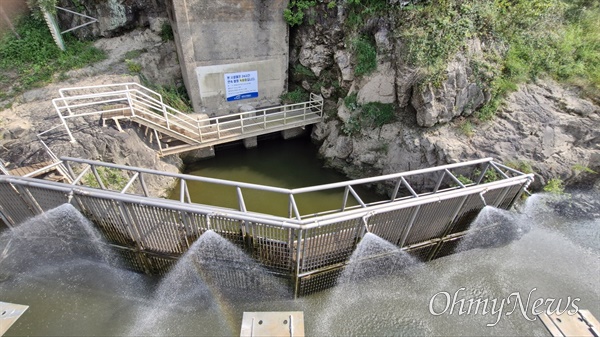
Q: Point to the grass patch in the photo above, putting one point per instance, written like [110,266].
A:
[294,13]
[166,32]
[296,96]
[370,115]
[113,179]
[377,114]
[582,168]
[521,166]
[555,186]
[303,72]
[33,60]
[467,128]
[366,55]
[133,54]
[173,96]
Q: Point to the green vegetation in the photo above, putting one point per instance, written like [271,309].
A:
[466,127]
[303,72]
[359,11]
[133,67]
[582,168]
[133,54]
[371,115]
[33,60]
[111,178]
[377,114]
[526,39]
[464,180]
[294,13]
[366,55]
[166,32]
[520,165]
[555,186]
[174,96]
[295,96]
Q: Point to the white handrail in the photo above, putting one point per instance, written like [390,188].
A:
[147,105]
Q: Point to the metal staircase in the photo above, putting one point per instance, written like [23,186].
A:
[173,131]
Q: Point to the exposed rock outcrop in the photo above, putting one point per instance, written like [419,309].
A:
[542,124]
[114,16]
[459,95]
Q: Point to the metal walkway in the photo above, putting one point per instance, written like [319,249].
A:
[174,131]
[427,213]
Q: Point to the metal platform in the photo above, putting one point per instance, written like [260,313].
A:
[9,314]
[582,323]
[275,324]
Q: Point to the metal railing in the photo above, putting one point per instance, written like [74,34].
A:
[425,220]
[145,106]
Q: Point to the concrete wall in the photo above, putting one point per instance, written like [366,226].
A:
[215,38]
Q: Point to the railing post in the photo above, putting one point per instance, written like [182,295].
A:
[284,116]
[304,112]
[242,123]
[199,130]
[265,120]
[218,130]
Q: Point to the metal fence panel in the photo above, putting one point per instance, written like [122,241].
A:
[422,252]
[48,199]
[433,220]
[319,281]
[328,245]
[271,246]
[471,208]
[12,206]
[512,194]
[160,229]
[106,214]
[391,225]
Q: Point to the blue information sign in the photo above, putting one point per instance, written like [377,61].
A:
[241,85]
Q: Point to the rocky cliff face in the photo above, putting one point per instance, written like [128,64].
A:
[114,16]
[542,125]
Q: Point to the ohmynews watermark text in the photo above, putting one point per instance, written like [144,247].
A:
[445,303]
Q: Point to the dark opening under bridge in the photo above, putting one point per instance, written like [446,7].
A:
[426,214]
[173,131]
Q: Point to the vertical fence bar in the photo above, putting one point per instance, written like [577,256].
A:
[299,256]
[143,183]
[409,227]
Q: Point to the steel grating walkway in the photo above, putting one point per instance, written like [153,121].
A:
[426,213]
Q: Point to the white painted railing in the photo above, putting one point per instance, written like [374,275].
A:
[136,102]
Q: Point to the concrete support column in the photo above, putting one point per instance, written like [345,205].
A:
[292,133]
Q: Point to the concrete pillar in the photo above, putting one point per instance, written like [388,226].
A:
[250,142]
[219,41]
[292,133]
[195,155]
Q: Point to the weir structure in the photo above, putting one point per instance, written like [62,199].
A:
[426,214]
